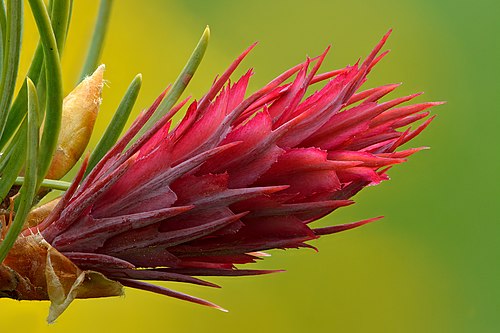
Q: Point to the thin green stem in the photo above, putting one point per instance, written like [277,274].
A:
[52,121]
[28,189]
[12,51]
[117,124]
[97,40]
[47,183]
[181,82]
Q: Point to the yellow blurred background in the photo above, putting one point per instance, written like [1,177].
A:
[430,266]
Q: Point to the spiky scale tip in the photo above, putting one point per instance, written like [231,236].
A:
[242,176]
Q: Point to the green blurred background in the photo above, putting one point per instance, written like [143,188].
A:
[432,265]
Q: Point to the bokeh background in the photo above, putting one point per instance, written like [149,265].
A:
[432,265]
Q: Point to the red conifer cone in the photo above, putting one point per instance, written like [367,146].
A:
[235,177]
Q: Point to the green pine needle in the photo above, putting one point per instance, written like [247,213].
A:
[52,121]
[181,82]
[11,55]
[117,124]
[3,30]
[97,40]
[11,164]
[60,17]
[28,189]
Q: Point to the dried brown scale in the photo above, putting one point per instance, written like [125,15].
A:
[34,270]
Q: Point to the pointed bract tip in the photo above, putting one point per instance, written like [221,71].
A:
[163,93]
[211,305]
[394,85]
[379,58]
[221,309]
[277,188]
[325,52]
[347,226]
[206,32]
[259,254]
[377,48]
[250,48]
